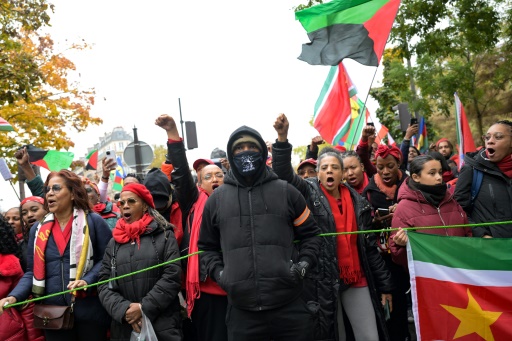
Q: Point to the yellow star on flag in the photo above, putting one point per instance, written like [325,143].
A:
[473,319]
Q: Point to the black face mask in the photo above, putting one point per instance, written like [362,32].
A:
[248,163]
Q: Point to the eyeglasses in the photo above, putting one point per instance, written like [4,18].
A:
[130,202]
[55,188]
[497,136]
[89,189]
[310,171]
[210,176]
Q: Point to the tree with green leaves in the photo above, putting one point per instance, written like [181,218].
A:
[442,47]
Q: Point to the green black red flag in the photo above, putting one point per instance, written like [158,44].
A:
[355,29]
[52,160]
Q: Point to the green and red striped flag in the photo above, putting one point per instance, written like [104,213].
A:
[461,287]
[333,111]
[5,126]
[465,142]
[356,29]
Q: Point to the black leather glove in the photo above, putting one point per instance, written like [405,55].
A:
[299,269]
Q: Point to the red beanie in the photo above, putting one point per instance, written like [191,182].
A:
[441,140]
[141,191]
[36,199]
[383,151]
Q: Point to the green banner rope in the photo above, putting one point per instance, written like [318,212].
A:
[199,252]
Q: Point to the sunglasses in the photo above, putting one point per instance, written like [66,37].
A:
[130,202]
[55,188]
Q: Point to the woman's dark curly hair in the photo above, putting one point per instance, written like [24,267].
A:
[8,244]
[76,187]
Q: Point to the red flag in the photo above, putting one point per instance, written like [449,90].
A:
[332,109]
[465,142]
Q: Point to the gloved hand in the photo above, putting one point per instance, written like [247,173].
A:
[298,270]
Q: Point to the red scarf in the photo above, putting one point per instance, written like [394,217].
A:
[99,207]
[363,184]
[62,236]
[192,281]
[348,256]
[505,165]
[390,191]
[124,232]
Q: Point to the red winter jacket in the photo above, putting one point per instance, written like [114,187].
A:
[15,325]
[414,210]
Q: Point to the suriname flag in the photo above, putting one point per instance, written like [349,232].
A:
[461,287]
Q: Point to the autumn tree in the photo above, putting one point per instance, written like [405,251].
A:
[159,158]
[36,97]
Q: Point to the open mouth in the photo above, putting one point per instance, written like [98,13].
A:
[352,180]
[31,222]
[127,216]
[491,152]
[386,180]
[214,186]
[329,181]
[52,202]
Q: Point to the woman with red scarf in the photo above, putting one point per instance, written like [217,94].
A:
[351,278]
[382,193]
[141,239]
[493,201]
[106,210]
[65,250]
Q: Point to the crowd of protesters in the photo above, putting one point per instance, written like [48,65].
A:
[245,247]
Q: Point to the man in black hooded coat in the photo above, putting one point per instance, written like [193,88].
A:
[247,234]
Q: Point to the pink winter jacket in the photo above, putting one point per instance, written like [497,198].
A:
[414,210]
[15,324]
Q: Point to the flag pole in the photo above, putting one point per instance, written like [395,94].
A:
[364,107]
[14,189]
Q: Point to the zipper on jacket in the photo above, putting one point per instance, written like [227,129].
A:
[493,200]
[64,288]
[254,248]
[442,220]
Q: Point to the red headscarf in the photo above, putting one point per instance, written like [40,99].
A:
[141,191]
[33,198]
[383,151]
[125,232]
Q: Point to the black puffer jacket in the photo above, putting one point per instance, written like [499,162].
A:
[323,283]
[255,225]
[494,199]
[157,289]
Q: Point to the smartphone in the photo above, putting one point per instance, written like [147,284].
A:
[383,211]
[111,154]
[414,121]
[370,124]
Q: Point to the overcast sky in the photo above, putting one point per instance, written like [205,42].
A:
[232,63]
